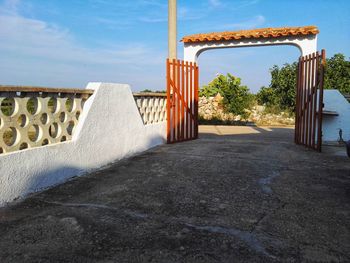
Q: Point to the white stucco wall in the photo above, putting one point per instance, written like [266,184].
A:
[306,44]
[335,101]
[110,128]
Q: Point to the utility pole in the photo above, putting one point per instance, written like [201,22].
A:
[172,29]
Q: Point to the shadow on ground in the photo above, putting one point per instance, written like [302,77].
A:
[233,195]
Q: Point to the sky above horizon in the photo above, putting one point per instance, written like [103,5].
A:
[68,43]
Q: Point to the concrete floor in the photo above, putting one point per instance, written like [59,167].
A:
[237,194]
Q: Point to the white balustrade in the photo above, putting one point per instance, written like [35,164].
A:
[152,107]
[36,117]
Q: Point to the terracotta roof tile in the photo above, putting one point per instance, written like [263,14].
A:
[254,33]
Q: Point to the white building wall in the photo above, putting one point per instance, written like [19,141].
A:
[335,101]
[110,128]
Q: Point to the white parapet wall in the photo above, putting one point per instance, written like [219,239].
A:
[335,102]
[110,128]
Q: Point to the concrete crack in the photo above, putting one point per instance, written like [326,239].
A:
[99,206]
[248,238]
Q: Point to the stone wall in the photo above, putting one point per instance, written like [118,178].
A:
[211,109]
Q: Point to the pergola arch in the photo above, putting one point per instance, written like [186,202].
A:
[304,38]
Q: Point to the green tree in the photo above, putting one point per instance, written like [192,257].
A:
[146,91]
[267,96]
[236,98]
[283,82]
[338,73]
[152,91]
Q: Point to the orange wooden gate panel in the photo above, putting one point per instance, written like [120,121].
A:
[182,100]
[309,100]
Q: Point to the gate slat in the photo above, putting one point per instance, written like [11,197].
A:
[186,104]
[168,105]
[182,101]
[315,101]
[299,99]
[308,128]
[191,101]
[297,103]
[178,106]
[311,103]
[303,102]
[174,101]
[196,78]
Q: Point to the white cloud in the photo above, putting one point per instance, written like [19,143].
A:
[9,7]
[183,14]
[215,3]
[232,6]
[254,22]
[34,52]
[37,38]
[250,23]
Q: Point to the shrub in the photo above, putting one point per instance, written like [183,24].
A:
[236,98]
[283,82]
[267,96]
[152,91]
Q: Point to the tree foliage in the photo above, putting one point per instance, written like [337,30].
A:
[236,98]
[283,83]
[267,96]
[281,91]
[338,73]
[152,91]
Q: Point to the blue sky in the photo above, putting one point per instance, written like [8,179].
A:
[67,43]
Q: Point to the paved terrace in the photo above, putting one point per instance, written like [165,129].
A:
[238,194]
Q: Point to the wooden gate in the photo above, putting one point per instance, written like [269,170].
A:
[309,100]
[182,101]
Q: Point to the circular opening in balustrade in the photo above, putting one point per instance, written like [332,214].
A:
[70,127]
[32,106]
[44,118]
[34,133]
[69,104]
[63,139]
[23,146]
[63,117]
[52,105]
[77,115]
[82,103]
[54,130]
[22,120]
[8,106]
[10,136]
[45,142]
[1,150]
